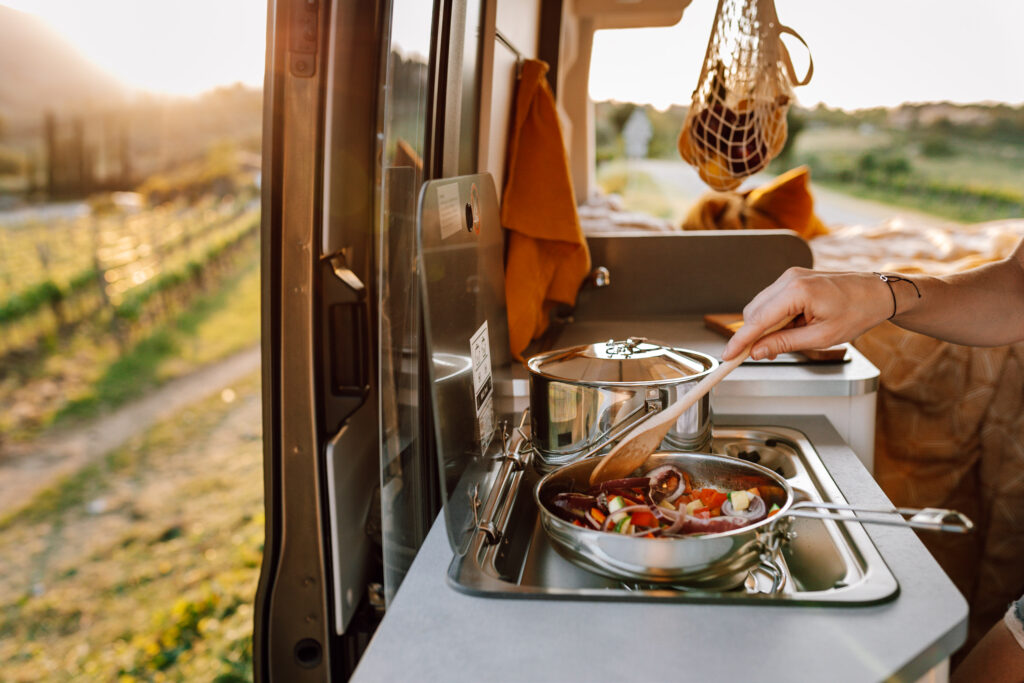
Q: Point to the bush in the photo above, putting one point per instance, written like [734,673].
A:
[936,147]
[217,174]
[19,305]
[11,163]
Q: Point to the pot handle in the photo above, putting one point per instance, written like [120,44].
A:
[931,519]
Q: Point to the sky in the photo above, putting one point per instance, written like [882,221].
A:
[866,53]
[177,47]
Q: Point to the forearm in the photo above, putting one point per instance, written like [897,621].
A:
[980,307]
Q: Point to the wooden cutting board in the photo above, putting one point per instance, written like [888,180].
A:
[726,324]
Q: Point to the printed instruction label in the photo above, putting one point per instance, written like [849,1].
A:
[483,385]
[449,210]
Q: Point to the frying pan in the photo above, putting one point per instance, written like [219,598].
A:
[715,561]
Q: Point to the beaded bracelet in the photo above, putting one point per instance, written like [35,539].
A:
[889,279]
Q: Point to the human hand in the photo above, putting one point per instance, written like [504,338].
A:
[825,309]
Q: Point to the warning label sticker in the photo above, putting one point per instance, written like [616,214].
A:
[483,385]
[449,209]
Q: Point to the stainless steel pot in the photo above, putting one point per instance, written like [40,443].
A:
[583,396]
[711,561]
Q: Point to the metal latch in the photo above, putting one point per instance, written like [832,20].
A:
[491,516]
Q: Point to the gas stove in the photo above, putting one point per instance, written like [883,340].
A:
[824,561]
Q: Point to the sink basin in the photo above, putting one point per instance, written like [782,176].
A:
[826,562]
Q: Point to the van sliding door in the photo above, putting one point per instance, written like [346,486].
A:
[320,410]
[364,101]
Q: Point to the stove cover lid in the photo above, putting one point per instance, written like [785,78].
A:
[461,269]
[634,361]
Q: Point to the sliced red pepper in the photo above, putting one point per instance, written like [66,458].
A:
[711,498]
[644,518]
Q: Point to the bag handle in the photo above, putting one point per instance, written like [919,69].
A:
[788,61]
[707,50]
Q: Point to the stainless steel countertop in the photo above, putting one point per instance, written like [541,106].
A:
[431,632]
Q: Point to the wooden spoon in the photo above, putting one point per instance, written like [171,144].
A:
[631,452]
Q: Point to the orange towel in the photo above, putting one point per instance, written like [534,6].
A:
[547,256]
[783,204]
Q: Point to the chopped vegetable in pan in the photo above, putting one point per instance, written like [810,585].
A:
[662,504]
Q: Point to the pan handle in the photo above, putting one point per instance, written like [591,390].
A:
[931,519]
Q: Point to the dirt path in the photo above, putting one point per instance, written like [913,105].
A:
[144,569]
[27,469]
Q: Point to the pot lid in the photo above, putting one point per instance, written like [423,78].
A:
[632,361]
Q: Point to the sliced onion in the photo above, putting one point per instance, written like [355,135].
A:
[575,505]
[625,493]
[630,483]
[661,481]
[661,513]
[627,509]
[688,524]
[755,512]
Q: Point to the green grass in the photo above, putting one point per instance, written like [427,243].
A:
[977,164]
[824,141]
[954,210]
[958,185]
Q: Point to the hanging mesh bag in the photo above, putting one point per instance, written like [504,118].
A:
[737,120]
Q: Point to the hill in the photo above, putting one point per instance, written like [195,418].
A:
[42,71]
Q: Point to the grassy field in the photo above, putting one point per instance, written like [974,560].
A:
[967,162]
[93,370]
[966,188]
[962,179]
[142,567]
[213,327]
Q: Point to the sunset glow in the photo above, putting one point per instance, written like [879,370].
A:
[866,54]
[183,47]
